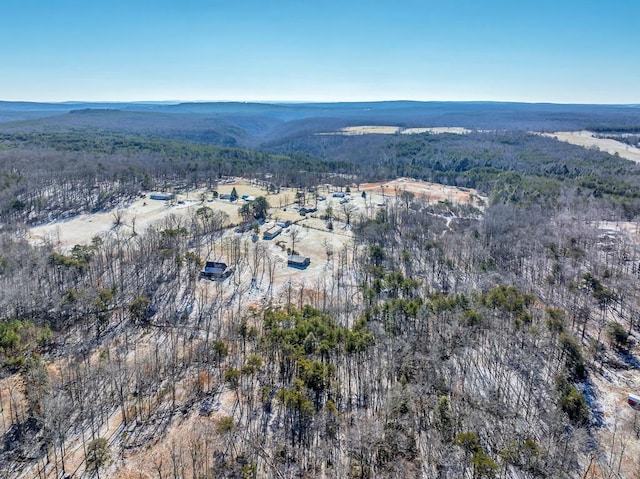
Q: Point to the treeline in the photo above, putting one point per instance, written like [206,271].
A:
[613,129]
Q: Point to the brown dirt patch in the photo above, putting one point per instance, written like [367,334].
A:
[432,192]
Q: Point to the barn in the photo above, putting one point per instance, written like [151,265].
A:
[297,261]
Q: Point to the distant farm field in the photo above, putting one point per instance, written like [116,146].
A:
[396,130]
[588,139]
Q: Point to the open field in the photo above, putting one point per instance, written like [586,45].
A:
[396,130]
[629,228]
[144,212]
[458,130]
[589,139]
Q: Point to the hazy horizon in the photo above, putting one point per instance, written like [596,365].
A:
[305,102]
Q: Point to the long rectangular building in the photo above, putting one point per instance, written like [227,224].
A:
[271,233]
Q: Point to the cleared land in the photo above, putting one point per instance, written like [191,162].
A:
[432,192]
[310,235]
[396,130]
[629,228]
[144,212]
[588,139]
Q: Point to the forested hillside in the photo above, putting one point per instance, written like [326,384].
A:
[443,338]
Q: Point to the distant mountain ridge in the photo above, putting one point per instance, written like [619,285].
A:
[254,123]
[311,107]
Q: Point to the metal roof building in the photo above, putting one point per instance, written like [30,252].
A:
[297,261]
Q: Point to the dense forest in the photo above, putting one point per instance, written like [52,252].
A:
[442,340]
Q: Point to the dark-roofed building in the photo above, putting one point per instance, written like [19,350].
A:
[307,209]
[297,261]
[215,270]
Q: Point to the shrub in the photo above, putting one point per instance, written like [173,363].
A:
[224,424]
[483,465]
[574,360]
[97,453]
[573,402]
[618,336]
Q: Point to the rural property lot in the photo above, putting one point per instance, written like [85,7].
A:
[309,235]
[144,211]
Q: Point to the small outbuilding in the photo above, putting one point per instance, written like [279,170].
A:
[272,232]
[307,209]
[215,270]
[161,196]
[297,261]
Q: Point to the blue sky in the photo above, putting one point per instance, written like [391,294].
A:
[561,51]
